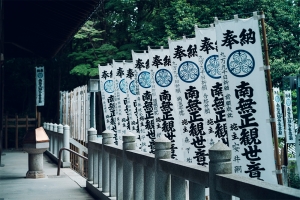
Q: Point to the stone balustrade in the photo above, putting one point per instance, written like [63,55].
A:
[127,173]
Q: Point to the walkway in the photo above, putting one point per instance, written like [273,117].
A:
[14,185]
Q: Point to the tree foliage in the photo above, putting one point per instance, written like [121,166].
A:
[119,26]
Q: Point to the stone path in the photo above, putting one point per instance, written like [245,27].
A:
[14,185]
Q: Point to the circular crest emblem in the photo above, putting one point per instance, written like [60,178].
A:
[132,87]
[277,99]
[240,63]
[40,75]
[188,71]
[109,86]
[212,67]
[144,79]
[288,102]
[122,85]
[163,77]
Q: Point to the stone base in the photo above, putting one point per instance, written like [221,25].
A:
[35,174]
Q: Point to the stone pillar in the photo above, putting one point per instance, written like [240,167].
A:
[128,144]
[65,130]
[54,127]
[56,138]
[51,126]
[92,135]
[220,163]
[35,164]
[107,138]
[162,180]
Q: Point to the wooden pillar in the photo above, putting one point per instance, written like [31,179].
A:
[17,142]
[6,139]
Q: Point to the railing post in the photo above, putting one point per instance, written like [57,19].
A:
[49,135]
[220,163]
[54,139]
[128,144]
[162,180]
[92,135]
[54,127]
[65,130]
[107,138]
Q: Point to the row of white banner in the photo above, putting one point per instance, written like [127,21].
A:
[197,92]
[286,128]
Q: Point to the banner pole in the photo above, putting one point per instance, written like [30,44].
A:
[272,113]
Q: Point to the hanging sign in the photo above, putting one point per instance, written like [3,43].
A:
[278,113]
[289,120]
[144,101]
[211,87]
[164,100]
[184,59]
[40,86]
[108,99]
[244,90]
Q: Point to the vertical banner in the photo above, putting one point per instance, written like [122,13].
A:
[108,99]
[184,59]
[164,100]
[278,113]
[132,101]
[244,88]
[211,87]
[40,86]
[144,101]
[120,90]
[289,120]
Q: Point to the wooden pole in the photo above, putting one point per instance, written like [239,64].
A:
[6,139]
[26,123]
[17,137]
[270,89]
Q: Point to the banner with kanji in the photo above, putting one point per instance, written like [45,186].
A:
[120,90]
[278,113]
[245,96]
[40,86]
[144,101]
[289,119]
[211,87]
[184,59]
[164,99]
[107,94]
[131,100]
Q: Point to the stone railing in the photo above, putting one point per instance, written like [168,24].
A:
[126,173]
[59,136]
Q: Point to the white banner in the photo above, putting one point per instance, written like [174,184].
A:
[132,101]
[108,99]
[278,113]
[245,95]
[144,101]
[211,87]
[189,98]
[166,117]
[40,86]
[289,120]
[120,90]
